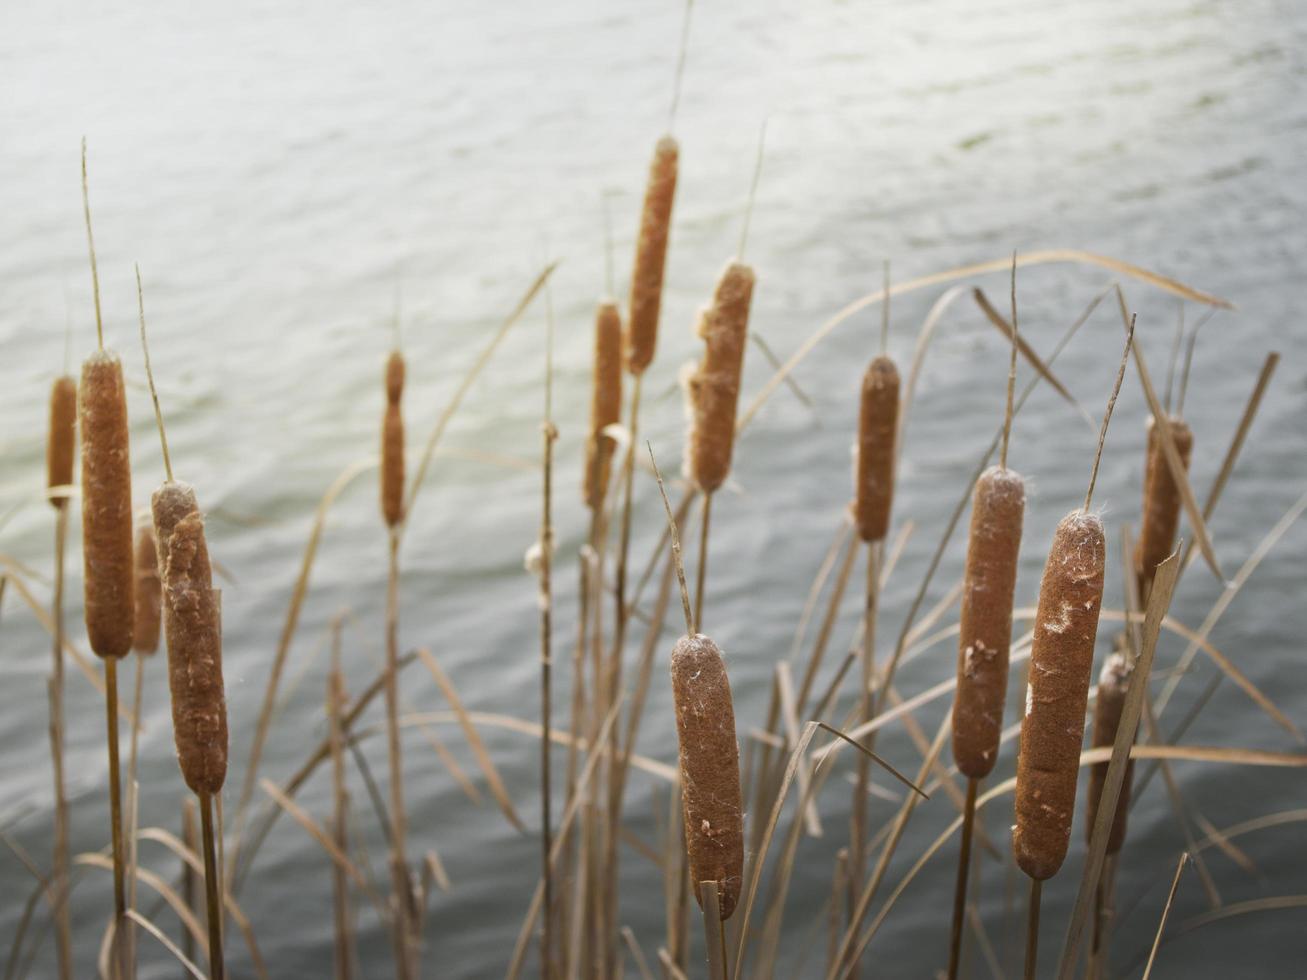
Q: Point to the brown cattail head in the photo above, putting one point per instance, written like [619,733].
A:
[710,768]
[149,593]
[651,256]
[193,625]
[63,437]
[605,402]
[392,443]
[878,420]
[1113,685]
[1061,660]
[106,506]
[1161,516]
[714,387]
[997,507]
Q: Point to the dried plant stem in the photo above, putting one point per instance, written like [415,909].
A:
[714,935]
[398,829]
[1107,416]
[866,707]
[960,889]
[190,891]
[700,584]
[336,699]
[550,434]
[211,884]
[1032,929]
[1161,926]
[115,817]
[59,863]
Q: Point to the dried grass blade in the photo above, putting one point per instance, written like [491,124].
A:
[157,884]
[876,759]
[315,831]
[1166,911]
[166,943]
[474,742]
[641,963]
[785,689]
[1158,601]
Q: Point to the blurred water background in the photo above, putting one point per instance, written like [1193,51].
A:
[290,175]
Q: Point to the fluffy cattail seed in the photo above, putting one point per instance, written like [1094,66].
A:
[651,256]
[63,437]
[714,388]
[106,506]
[605,402]
[878,421]
[149,593]
[710,768]
[1113,685]
[1161,516]
[392,443]
[997,507]
[193,625]
[1061,660]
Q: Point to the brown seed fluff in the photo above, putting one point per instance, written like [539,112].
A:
[61,445]
[149,593]
[1161,515]
[106,506]
[605,402]
[878,421]
[710,768]
[714,387]
[651,256]
[1061,660]
[392,443]
[997,508]
[1113,685]
[193,624]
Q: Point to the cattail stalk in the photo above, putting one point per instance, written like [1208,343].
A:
[190,886]
[1061,659]
[549,434]
[60,451]
[336,705]
[985,632]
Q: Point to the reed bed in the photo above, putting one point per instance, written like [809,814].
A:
[739,783]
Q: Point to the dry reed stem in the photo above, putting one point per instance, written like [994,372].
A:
[193,626]
[1166,911]
[1161,509]
[106,506]
[710,768]
[61,444]
[212,886]
[1070,595]
[605,403]
[190,883]
[985,635]
[714,937]
[337,701]
[651,256]
[713,389]
[404,910]
[1113,684]
[960,887]
[59,857]
[877,427]
[392,443]
[549,435]
[149,594]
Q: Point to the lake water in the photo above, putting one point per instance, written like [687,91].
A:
[287,175]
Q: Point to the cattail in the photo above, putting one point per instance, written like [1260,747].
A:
[1161,516]
[1061,660]
[392,443]
[63,435]
[997,507]
[714,387]
[193,624]
[651,256]
[877,423]
[605,402]
[1113,685]
[710,768]
[106,506]
[149,592]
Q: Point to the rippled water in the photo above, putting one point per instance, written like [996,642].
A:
[280,174]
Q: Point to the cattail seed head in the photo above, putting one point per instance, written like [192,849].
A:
[392,443]
[1061,660]
[1113,685]
[651,256]
[714,387]
[997,507]
[1161,514]
[149,593]
[61,444]
[106,506]
[193,626]
[878,420]
[710,768]
[605,402]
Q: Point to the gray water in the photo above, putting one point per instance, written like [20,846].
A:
[286,176]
